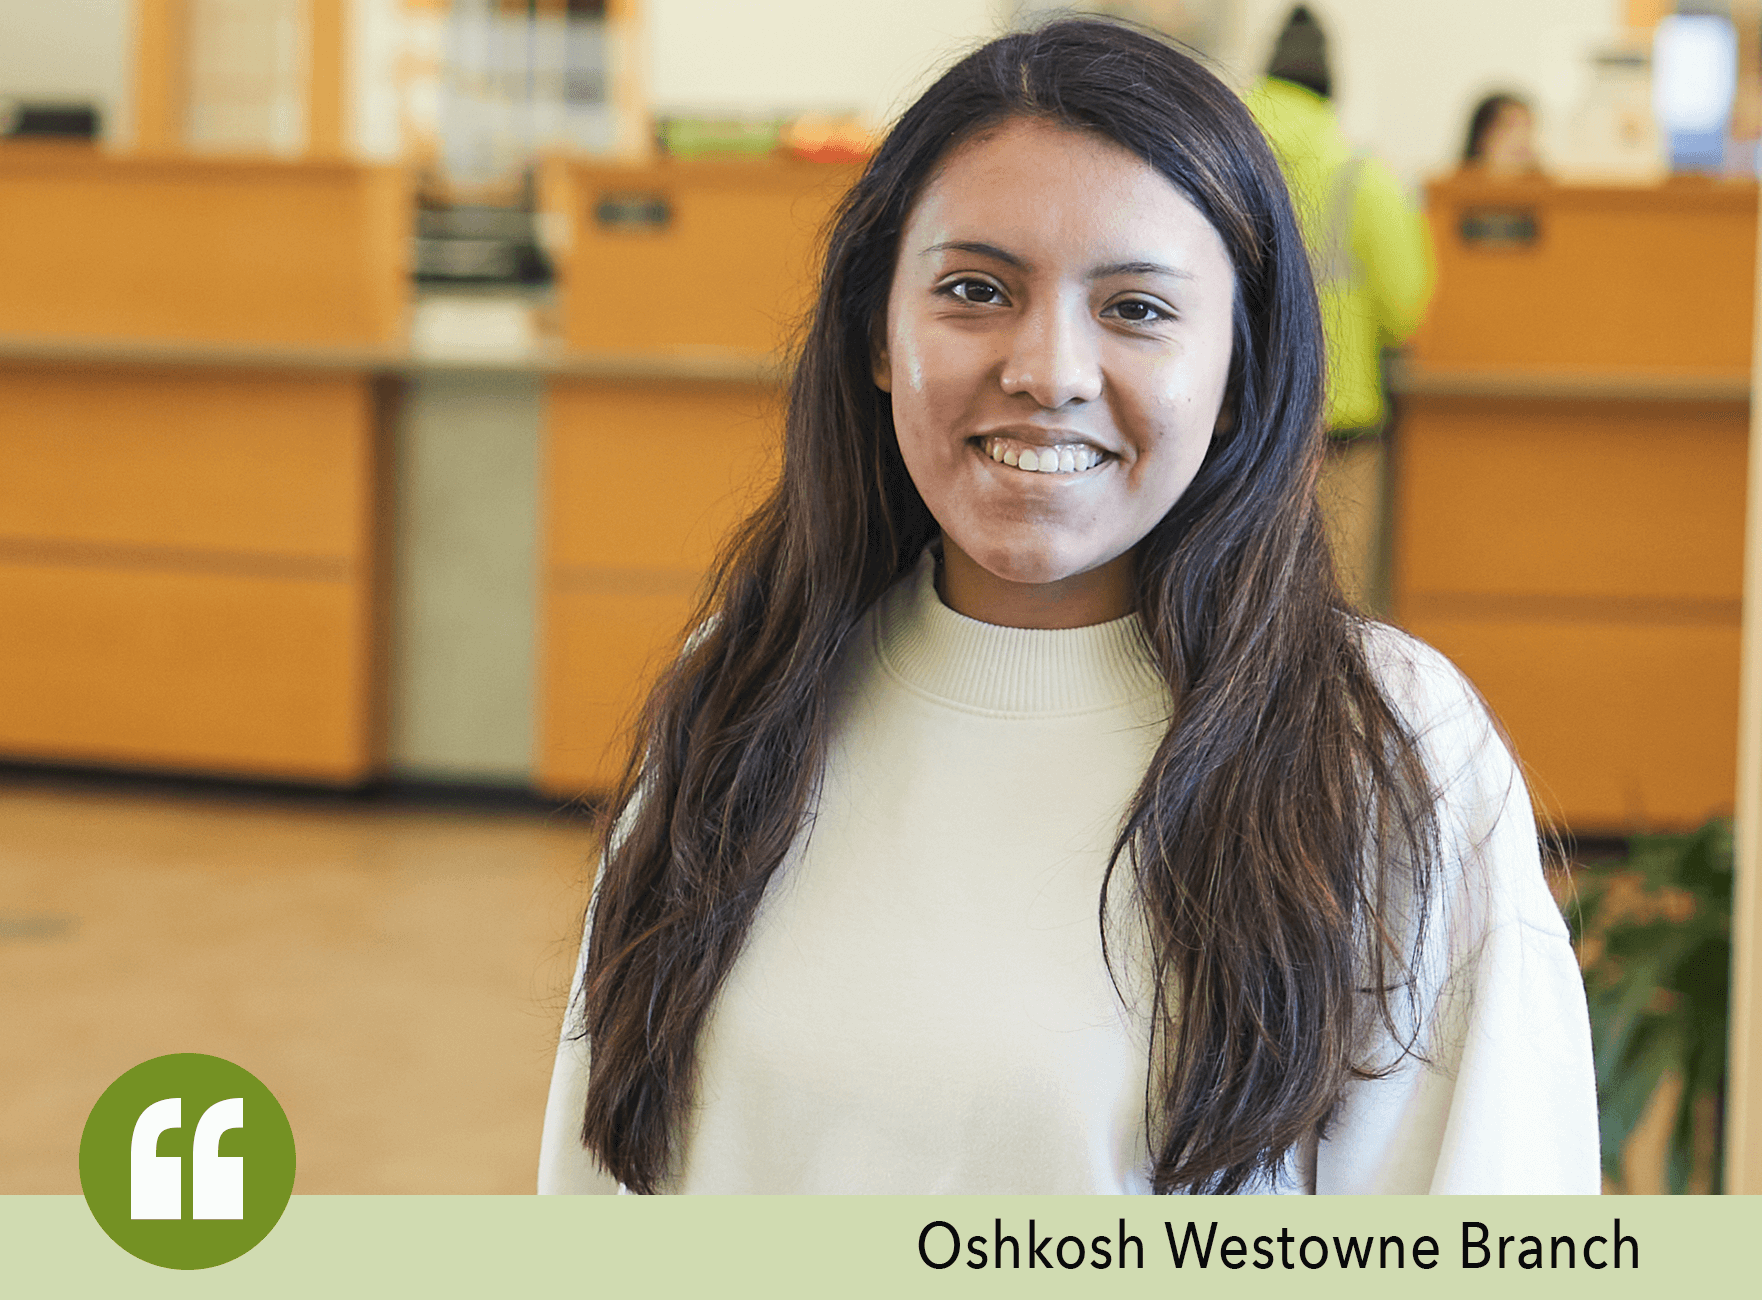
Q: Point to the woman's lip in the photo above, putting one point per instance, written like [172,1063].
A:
[1030,437]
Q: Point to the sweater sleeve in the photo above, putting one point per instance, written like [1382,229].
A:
[1500,1094]
[565,1166]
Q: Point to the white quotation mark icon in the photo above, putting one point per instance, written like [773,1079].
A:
[156,1181]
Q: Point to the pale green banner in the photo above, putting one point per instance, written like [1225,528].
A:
[340,1246]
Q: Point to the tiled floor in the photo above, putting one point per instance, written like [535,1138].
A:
[395,976]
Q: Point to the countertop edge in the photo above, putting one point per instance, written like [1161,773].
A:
[701,367]
[1415,379]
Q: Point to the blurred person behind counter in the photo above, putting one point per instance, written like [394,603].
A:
[1501,137]
[1373,273]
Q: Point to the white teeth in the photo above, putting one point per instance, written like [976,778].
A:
[1043,460]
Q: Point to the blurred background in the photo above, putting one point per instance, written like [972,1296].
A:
[377,378]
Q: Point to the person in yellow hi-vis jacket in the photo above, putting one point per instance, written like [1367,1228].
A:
[1373,272]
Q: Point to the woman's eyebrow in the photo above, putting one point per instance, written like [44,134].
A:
[1139,268]
[979,248]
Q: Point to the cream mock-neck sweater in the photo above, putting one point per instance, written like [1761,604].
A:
[923,1006]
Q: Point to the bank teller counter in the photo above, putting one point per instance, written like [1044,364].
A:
[190,352]
[681,283]
[1569,483]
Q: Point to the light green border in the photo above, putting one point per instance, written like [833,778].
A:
[440,1246]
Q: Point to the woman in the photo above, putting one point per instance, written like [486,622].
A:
[1501,137]
[1373,272]
[1028,813]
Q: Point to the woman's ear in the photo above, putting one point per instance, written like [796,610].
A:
[1226,416]
[880,364]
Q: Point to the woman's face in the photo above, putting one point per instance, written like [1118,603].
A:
[1057,347]
[1509,146]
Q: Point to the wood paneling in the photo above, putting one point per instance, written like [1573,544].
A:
[642,481]
[1618,501]
[651,476]
[1580,556]
[326,61]
[1621,725]
[232,461]
[603,649]
[1582,563]
[190,570]
[733,267]
[236,673]
[1618,278]
[173,248]
[161,43]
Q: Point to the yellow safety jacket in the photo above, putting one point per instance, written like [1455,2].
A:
[1367,243]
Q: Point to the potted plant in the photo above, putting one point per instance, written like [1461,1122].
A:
[1654,935]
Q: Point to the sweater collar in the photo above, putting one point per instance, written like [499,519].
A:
[1013,670]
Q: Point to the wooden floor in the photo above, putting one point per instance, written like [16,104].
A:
[395,976]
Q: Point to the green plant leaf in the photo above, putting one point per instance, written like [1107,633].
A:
[1624,1103]
[1680,1158]
[1625,942]
[1637,1036]
[1615,1014]
[1706,864]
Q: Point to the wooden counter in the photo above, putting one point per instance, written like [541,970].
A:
[709,262]
[99,245]
[266,739]
[1570,474]
[188,570]
[192,546]
[681,256]
[190,567]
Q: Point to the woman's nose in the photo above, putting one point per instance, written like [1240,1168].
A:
[1053,357]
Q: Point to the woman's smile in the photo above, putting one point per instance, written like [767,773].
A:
[1060,458]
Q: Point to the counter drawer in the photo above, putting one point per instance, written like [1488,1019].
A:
[214,461]
[604,642]
[652,476]
[235,673]
[1629,500]
[1621,727]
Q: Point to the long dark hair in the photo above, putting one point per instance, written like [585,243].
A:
[1264,842]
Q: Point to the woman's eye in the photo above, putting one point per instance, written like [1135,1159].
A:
[976,291]
[1137,311]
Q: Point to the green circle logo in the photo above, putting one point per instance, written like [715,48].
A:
[187,1161]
